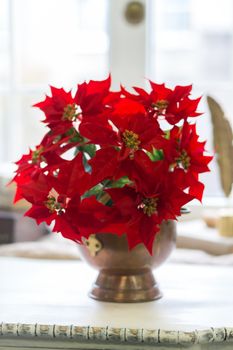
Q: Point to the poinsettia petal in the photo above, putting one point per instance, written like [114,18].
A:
[63,226]
[40,214]
[127,107]
[125,199]
[36,191]
[99,134]
[103,165]
[90,96]
[148,230]
[72,179]
[180,92]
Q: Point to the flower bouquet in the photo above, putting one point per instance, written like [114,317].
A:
[114,162]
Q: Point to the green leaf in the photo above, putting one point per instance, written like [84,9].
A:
[76,138]
[86,165]
[100,194]
[155,155]
[94,191]
[89,148]
[75,135]
[118,183]
[71,131]
[167,134]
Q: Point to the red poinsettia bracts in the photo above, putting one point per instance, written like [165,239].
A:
[125,142]
[106,165]
[91,96]
[187,157]
[143,213]
[174,105]
[60,107]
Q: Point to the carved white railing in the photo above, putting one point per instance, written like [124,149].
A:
[110,335]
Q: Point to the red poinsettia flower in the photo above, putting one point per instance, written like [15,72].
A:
[124,144]
[48,206]
[144,213]
[126,174]
[38,194]
[90,96]
[36,162]
[29,167]
[59,199]
[174,105]
[185,151]
[187,157]
[59,108]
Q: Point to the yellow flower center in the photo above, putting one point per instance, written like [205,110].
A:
[160,105]
[53,205]
[149,206]
[69,112]
[183,159]
[36,155]
[131,140]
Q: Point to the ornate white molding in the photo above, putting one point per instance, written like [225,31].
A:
[110,335]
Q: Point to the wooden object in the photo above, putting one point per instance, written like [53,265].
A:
[44,305]
[225,222]
[223,138]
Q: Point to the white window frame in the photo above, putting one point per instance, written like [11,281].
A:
[128,65]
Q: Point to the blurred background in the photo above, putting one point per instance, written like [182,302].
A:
[63,42]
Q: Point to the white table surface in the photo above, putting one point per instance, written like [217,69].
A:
[55,292]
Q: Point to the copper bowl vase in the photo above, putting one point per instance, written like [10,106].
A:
[126,276]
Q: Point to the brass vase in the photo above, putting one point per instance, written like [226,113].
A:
[126,276]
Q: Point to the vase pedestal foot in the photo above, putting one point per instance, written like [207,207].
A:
[125,287]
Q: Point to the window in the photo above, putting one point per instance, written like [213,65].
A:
[67,41]
[191,41]
[45,42]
